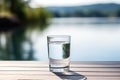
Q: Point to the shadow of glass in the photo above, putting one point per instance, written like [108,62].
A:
[70,75]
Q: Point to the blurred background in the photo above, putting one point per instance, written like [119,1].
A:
[94,27]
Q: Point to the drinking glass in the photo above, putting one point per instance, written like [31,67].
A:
[59,52]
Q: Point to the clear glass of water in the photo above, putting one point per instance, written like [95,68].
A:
[59,52]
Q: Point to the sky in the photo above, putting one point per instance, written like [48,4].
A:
[46,3]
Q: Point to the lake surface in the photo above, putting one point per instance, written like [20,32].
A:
[92,39]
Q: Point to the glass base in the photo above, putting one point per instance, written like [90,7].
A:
[59,69]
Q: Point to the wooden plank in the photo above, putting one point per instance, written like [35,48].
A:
[36,70]
[103,78]
[115,74]
[28,77]
[46,63]
[72,65]
[24,77]
[72,69]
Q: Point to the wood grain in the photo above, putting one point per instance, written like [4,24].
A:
[37,70]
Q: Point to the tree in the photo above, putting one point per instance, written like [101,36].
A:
[16,33]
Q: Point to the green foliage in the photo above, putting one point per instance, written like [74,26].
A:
[30,19]
[25,14]
[22,10]
[36,18]
[40,15]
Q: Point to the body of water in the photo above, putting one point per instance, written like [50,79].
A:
[92,39]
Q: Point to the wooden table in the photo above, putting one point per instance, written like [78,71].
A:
[37,70]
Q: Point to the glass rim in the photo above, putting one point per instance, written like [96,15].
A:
[50,36]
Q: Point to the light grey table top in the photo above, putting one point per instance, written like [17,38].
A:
[37,70]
